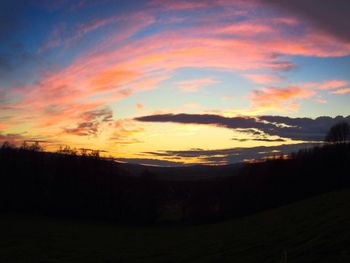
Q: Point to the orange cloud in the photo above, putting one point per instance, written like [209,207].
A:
[125,132]
[140,106]
[108,79]
[11,138]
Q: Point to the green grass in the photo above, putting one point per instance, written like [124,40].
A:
[314,230]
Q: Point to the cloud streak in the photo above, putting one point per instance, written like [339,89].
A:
[305,129]
[228,156]
[341,91]
[263,78]
[276,98]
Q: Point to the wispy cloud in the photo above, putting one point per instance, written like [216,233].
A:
[64,35]
[140,106]
[225,156]
[245,29]
[195,85]
[273,98]
[125,132]
[333,84]
[341,91]
[289,98]
[263,78]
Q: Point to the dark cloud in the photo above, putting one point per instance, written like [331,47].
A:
[36,141]
[92,150]
[330,16]
[210,119]
[11,137]
[91,122]
[84,129]
[149,161]
[305,129]
[233,155]
[19,138]
[104,114]
[260,140]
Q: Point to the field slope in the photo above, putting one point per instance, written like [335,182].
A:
[313,230]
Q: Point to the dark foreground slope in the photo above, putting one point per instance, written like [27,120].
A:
[89,187]
[313,230]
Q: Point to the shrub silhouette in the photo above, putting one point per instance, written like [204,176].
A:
[338,133]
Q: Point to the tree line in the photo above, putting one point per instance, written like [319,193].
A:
[86,185]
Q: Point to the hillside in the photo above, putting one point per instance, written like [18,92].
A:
[90,187]
[313,230]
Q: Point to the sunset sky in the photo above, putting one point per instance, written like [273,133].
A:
[173,82]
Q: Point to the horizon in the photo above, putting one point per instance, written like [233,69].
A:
[174,82]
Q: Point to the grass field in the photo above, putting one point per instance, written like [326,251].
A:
[314,230]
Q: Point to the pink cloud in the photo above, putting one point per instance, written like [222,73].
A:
[287,98]
[341,91]
[262,78]
[333,84]
[244,28]
[324,85]
[279,98]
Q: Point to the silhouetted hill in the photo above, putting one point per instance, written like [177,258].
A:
[312,230]
[182,173]
[88,186]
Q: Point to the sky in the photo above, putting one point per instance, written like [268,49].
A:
[174,82]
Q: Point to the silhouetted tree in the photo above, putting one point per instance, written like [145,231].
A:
[7,145]
[67,150]
[338,133]
[95,154]
[35,146]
